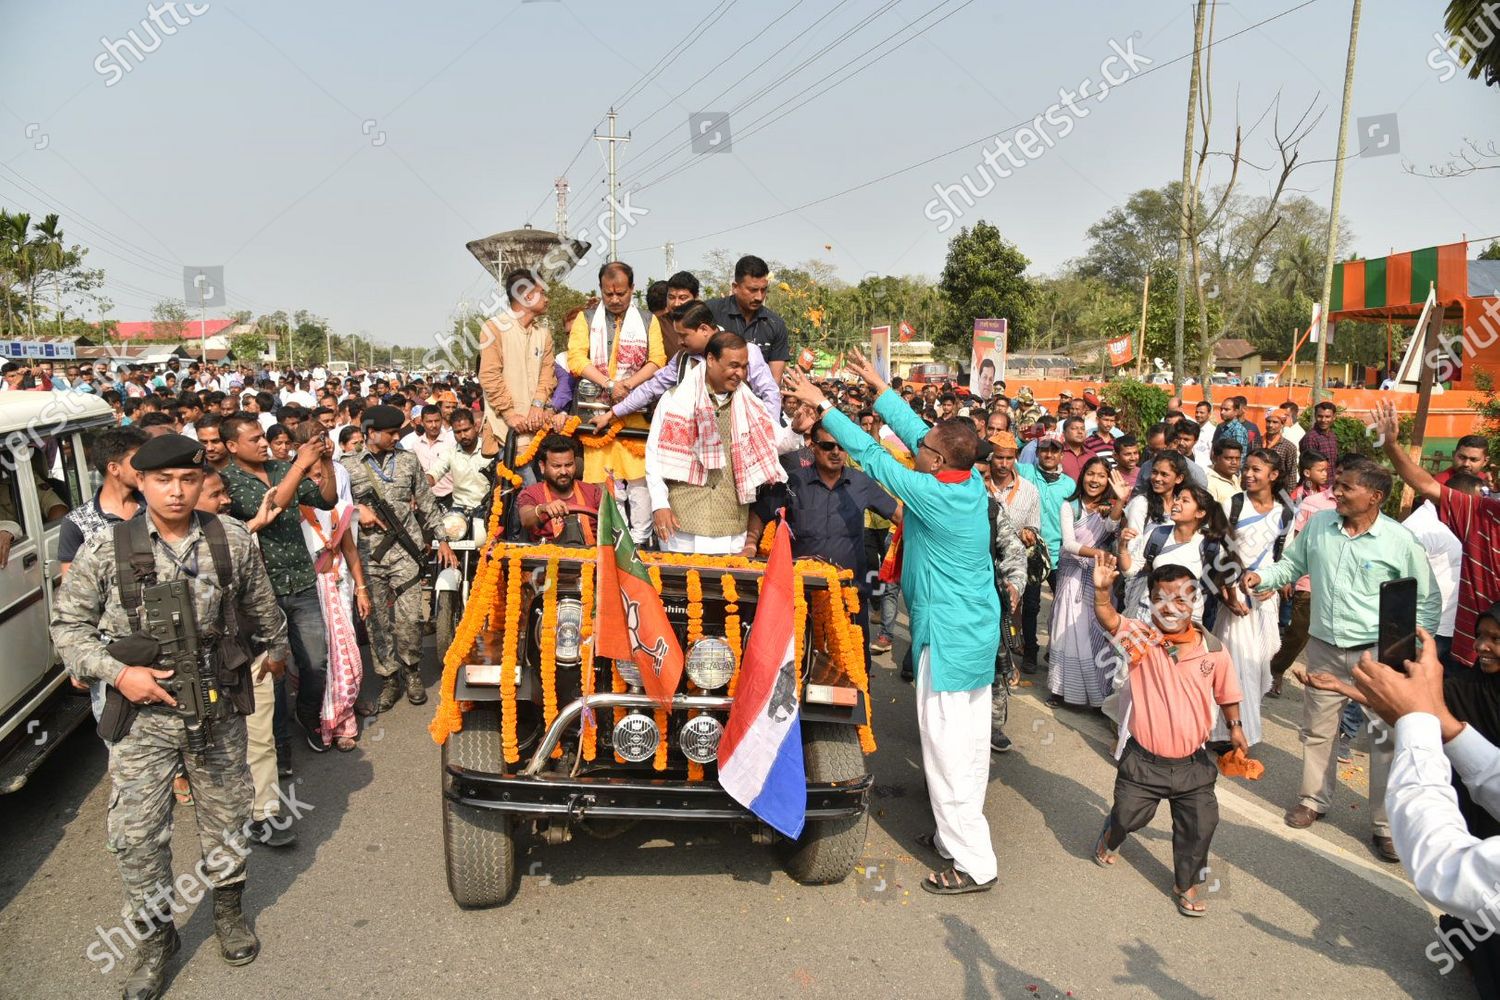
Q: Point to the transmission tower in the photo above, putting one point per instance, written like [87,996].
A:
[561,225]
[671,258]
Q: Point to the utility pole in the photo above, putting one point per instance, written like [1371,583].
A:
[1185,207]
[610,141]
[1321,334]
[560,225]
[671,249]
[327,347]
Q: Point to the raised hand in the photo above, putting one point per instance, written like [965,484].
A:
[1105,572]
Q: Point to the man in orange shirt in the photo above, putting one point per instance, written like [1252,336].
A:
[1177,675]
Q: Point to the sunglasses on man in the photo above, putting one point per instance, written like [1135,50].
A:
[829,446]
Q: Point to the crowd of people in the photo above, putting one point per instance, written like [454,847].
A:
[1191,562]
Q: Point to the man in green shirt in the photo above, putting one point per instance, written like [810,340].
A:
[265,494]
[1348,552]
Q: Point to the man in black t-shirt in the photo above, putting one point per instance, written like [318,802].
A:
[744,312]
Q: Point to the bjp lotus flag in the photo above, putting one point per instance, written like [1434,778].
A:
[904,332]
[630,622]
[806,359]
[1121,350]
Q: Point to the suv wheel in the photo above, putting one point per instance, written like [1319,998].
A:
[828,849]
[479,845]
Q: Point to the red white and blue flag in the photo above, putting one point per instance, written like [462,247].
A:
[760,754]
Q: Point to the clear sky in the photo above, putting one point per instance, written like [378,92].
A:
[336,156]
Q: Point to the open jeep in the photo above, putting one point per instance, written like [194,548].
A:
[540,736]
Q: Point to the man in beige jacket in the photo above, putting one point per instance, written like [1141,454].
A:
[516,365]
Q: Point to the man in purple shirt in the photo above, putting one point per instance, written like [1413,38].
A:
[1319,437]
[696,326]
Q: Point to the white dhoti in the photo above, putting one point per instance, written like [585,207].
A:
[635,503]
[687,543]
[955,729]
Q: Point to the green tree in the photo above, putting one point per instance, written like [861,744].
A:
[170,317]
[1131,239]
[1479,50]
[561,300]
[984,276]
[1491,252]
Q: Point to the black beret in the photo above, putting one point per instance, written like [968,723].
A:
[168,451]
[383,418]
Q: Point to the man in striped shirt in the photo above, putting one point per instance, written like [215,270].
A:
[1474,519]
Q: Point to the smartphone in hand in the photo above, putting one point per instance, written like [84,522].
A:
[1398,623]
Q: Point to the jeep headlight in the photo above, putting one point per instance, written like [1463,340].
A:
[629,672]
[710,663]
[636,737]
[455,527]
[569,631]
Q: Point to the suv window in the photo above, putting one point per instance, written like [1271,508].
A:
[61,470]
[10,495]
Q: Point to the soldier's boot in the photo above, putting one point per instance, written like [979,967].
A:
[415,692]
[148,976]
[390,693]
[237,942]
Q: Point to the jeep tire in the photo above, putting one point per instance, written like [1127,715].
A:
[828,849]
[479,845]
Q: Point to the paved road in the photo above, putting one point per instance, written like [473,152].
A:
[359,906]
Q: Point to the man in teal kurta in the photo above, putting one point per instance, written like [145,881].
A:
[949,582]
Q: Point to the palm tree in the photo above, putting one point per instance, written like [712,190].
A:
[1295,273]
[13,229]
[48,256]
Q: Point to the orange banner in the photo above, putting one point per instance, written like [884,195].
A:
[1121,350]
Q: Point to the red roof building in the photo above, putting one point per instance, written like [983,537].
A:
[147,332]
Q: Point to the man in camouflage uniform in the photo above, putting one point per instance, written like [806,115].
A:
[394,577]
[90,621]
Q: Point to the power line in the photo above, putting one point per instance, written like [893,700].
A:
[717,66]
[672,54]
[705,103]
[971,143]
[777,113]
[799,67]
[638,87]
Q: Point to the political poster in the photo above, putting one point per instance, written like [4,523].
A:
[987,362]
[880,350]
[1121,350]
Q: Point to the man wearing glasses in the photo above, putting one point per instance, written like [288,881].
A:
[825,505]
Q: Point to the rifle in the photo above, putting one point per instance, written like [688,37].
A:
[167,616]
[395,534]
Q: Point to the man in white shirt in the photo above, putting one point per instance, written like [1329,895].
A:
[433,443]
[1445,553]
[1452,869]
[463,466]
[1292,430]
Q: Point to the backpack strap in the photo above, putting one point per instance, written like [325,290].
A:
[1236,508]
[1155,542]
[1286,526]
[135,564]
[218,548]
[1210,641]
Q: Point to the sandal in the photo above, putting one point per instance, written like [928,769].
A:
[1189,906]
[344,744]
[182,790]
[1275,691]
[954,883]
[1103,856]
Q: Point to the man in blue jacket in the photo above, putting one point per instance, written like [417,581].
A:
[949,583]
